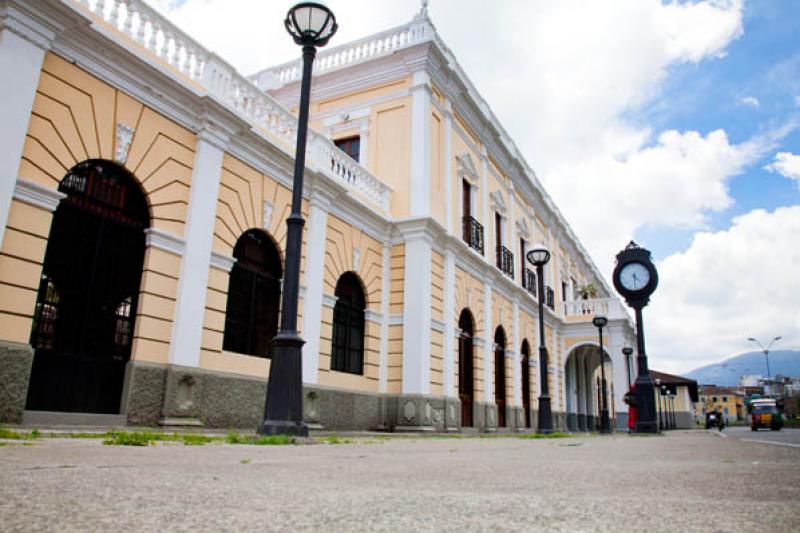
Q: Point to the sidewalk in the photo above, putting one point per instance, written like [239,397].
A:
[682,481]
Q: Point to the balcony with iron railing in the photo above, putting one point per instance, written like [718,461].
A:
[505,261]
[473,234]
[550,297]
[529,281]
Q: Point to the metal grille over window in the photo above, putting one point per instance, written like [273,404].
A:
[529,281]
[505,261]
[254,292]
[550,299]
[348,326]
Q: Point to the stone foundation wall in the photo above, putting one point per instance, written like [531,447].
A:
[15,373]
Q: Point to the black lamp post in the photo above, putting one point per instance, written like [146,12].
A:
[539,256]
[627,352]
[657,382]
[311,25]
[672,409]
[605,423]
[665,409]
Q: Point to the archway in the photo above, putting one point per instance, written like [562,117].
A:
[466,368]
[88,293]
[254,294]
[584,387]
[525,353]
[500,375]
[347,345]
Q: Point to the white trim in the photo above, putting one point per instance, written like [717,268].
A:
[221,261]
[499,203]
[328,300]
[313,298]
[373,316]
[448,168]
[449,322]
[417,310]
[466,168]
[383,369]
[437,325]
[420,144]
[124,138]
[36,195]
[395,320]
[165,241]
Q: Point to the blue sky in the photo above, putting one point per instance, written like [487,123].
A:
[763,64]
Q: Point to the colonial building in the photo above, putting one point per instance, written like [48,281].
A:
[144,187]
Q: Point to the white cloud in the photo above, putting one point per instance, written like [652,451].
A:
[729,285]
[751,101]
[786,164]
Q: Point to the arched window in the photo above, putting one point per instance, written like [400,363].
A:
[89,289]
[347,345]
[466,369]
[254,294]
[500,375]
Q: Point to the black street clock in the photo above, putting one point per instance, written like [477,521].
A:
[635,276]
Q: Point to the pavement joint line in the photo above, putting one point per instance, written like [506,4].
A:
[789,444]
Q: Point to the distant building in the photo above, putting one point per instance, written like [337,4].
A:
[686,397]
[727,400]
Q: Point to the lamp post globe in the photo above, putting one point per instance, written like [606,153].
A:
[311,25]
[600,322]
[538,256]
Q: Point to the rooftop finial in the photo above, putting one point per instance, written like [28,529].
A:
[423,10]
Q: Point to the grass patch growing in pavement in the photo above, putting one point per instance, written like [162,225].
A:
[11,434]
[260,440]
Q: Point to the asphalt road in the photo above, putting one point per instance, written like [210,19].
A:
[684,481]
[785,437]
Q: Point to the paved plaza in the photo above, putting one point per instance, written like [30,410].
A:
[690,480]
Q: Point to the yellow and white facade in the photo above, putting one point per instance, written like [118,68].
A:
[212,153]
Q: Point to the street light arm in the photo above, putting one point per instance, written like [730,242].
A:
[772,341]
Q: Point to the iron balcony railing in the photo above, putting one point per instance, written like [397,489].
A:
[473,233]
[505,261]
[529,281]
[550,297]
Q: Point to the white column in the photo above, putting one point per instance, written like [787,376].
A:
[386,282]
[488,217]
[190,306]
[488,337]
[616,340]
[449,322]
[363,144]
[20,62]
[448,166]
[580,384]
[417,315]
[517,373]
[420,144]
[315,273]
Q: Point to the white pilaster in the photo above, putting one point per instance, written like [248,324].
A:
[448,166]
[488,336]
[383,369]
[449,322]
[21,62]
[518,355]
[363,144]
[420,144]
[616,340]
[187,328]
[417,314]
[512,224]
[315,273]
[488,217]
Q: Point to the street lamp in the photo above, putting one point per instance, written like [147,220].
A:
[311,25]
[605,424]
[766,351]
[538,256]
[672,409]
[665,410]
[660,416]
[627,352]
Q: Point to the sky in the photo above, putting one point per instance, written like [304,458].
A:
[674,123]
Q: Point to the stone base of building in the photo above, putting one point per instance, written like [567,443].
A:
[581,422]
[684,420]
[622,421]
[15,372]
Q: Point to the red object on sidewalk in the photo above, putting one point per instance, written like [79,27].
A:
[632,411]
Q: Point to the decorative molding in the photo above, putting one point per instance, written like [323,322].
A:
[124,138]
[373,316]
[437,325]
[479,342]
[356,258]
[329,300]
[510,354]
[222,262]
[523,229]
[395,320]
[466,168]
[266,220]
[165,241]
[36,195]
[498,202]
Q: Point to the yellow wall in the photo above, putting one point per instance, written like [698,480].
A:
[74,118]
[469,295]
[395,370]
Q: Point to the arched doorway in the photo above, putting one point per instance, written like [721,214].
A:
[525,358]
[500,375]
[466,367]
[88,293]
[254,294]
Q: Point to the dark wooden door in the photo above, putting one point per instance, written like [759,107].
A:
[500,384]
[526,383]
[466,385]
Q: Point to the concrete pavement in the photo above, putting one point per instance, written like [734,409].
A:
[785,437]
[684,481]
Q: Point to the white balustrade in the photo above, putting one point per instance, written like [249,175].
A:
[598,306]
[168,43]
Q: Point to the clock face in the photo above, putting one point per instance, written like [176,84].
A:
[634,276]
